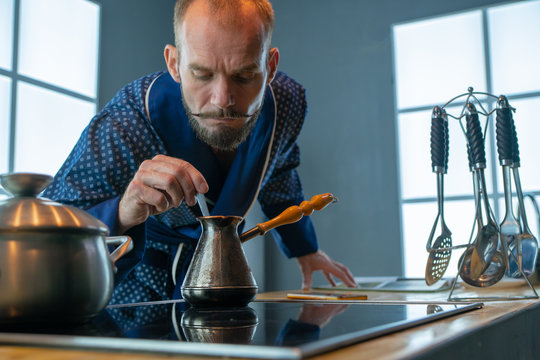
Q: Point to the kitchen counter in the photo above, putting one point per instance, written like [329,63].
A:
[500,330]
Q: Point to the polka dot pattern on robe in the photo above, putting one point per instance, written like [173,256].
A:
[120,137]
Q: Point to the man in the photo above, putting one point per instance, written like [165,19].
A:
[222,122]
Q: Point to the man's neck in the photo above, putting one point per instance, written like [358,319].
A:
[225,158]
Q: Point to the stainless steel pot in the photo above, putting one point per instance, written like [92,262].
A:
[54,261]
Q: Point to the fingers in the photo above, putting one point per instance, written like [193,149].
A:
[161,191]
[320,261]
[341,272]
[176,177]
[344,274]
[329,278]
[351,282]
[306,279]
[144,195]
[158,185]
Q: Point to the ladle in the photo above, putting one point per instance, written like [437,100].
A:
[465,272]
[492,275]
[439,252]
[218,274]
[494,272]
[486,241]
[496,268]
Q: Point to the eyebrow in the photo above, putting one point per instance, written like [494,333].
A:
[250,67]
[198,67]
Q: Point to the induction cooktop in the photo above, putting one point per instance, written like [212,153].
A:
[272,330]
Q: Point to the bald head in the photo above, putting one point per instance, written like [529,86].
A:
[226,12]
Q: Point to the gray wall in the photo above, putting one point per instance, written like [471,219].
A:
[341,52]
[133,36]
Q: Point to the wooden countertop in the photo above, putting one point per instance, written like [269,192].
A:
[496,316]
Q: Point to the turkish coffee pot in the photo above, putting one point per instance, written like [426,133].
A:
[231,325]
[219,274]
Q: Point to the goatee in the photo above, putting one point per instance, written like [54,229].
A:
[226,138]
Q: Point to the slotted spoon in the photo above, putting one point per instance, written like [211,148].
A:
[439,251]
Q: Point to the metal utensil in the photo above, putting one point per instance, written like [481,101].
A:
[465,272]
[509,227]
[487,239]
[495,270]
[439,252]
[492,275]
[201,200]
[525,247]
[536,208]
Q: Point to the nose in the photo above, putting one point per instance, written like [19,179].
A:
[222,95]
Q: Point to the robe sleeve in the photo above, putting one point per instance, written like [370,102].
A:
[282,187]
[295,239]
[103,162]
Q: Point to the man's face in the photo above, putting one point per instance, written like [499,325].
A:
[223,70]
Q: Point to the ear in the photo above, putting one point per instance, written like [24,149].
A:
[273,61]
[171,58]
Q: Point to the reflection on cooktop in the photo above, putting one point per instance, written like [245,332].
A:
[280,330]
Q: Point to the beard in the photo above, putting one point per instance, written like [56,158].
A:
[226,138]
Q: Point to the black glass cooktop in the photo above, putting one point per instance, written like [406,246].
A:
[273,330]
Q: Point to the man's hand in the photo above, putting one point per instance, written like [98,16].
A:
[320,261]
[159,184]
[320,314]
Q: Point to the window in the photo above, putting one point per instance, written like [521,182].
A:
[48,80]
[494,50]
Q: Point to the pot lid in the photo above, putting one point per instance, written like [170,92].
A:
[24,211]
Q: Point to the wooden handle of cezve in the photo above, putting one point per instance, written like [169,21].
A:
[290,215]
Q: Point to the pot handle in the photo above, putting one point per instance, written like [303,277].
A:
[290,215]
[124,243]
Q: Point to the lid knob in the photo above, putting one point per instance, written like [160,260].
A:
[25,184]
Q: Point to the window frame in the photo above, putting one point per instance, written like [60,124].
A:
[496,194]
[16,78]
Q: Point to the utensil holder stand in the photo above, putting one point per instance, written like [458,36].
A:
[452,296]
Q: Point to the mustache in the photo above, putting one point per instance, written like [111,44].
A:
[224,114]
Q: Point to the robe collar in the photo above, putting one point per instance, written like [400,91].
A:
[235,192]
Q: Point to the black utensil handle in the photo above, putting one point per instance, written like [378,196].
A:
[446,141]
[504,135]
[515,145]
[439,135]
[475,137]
[469,156]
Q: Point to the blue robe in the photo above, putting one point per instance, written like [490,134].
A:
[147,118]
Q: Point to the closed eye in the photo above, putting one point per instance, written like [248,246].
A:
[201,74]
[245,76]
